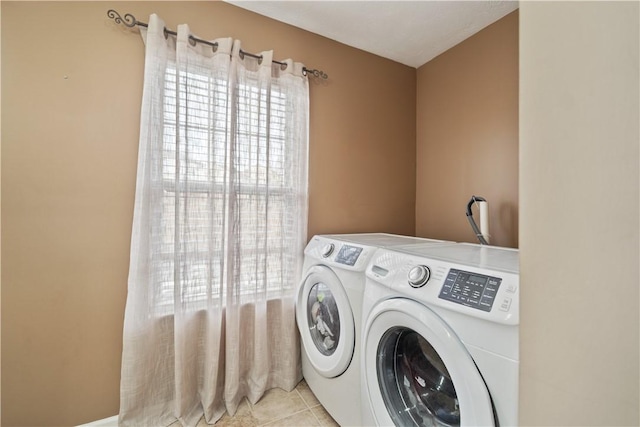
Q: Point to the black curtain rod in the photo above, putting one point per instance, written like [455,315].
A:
[130,21]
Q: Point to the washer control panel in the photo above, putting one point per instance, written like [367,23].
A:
[471,289]
[489,294]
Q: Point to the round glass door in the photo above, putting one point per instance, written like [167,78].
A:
[416,386]
[323,318]
[325,321]
[417,372]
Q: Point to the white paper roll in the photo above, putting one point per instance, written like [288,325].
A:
[484,220]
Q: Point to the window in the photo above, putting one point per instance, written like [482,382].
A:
[226,184]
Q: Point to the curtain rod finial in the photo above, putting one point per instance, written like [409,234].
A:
[316,73]
[129,20]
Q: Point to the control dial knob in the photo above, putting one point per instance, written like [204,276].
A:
[418,276]
[327,249]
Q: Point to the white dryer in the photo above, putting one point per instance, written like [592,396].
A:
[329,313]
[440,336]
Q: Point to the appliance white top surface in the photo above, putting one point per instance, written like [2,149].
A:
[384,240]
[482,256]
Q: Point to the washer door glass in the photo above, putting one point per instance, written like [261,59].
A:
[416,371]
[415,383]
[323,318]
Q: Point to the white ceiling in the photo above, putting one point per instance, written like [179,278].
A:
[409,32]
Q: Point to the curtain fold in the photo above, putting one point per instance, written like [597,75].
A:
[219,231]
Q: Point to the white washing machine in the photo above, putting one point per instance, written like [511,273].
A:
[329,313]
[440,336]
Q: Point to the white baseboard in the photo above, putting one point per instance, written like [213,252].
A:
[107,422]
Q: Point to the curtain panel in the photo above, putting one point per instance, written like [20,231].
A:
[219,229]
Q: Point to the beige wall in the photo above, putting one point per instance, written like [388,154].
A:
[467,136]
[71,89]
[579,244]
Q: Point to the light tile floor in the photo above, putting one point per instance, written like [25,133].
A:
[277,408]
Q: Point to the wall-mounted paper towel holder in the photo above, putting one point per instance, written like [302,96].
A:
[482,233]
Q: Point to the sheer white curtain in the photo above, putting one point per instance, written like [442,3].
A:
[218,233]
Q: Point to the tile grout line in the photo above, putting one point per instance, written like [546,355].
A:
[305,401]
[310,407]
[287,416]
[316,417]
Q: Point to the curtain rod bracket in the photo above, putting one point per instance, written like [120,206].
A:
[130,21]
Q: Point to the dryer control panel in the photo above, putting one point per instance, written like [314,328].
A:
[348,255]
[336,253]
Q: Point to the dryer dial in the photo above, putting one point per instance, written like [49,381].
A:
[327,250]
[418,276]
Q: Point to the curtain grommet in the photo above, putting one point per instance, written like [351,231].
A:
[284,66]
[192,40]
[166,33]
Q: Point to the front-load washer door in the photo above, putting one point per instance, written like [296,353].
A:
[417,372]
[325,321]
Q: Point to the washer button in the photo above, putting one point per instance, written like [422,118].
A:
[506,304]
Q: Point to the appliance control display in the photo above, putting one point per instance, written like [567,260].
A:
[348,255]
[473,290]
